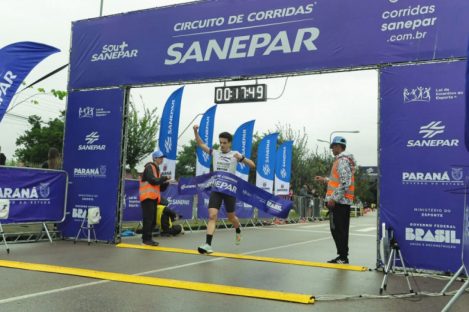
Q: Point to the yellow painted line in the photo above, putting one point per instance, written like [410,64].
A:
[163,282]
[249,257]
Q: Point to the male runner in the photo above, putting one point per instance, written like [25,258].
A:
[226,160]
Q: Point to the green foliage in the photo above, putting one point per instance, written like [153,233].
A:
[59,94]
[305,164]
[34,144]
[11,163]
[186,161]
[365,187]
[141,134]
[56,93]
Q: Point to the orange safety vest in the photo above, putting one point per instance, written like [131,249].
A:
[334,181]
[147,190]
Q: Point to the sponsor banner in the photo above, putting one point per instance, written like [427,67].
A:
[92,151]
[265,167]
[32,195]
[242,142]
[169,128]
[207,124]
[182,205]
[226,38]
[423,160]
[263,215]
[430,108]
[168,168]
[243,210]
[16,62]
[132,210]
[283,168]
[232,185]
[202,206]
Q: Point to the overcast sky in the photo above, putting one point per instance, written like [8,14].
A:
[319,104]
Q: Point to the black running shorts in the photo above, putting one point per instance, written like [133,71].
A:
[217,198]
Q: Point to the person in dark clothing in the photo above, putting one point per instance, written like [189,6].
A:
[165,218]
[3,159]
[340,196]
[53,159]
[151,186]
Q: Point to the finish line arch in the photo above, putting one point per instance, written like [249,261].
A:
[222,40]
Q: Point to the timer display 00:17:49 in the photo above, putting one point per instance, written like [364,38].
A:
[239,94]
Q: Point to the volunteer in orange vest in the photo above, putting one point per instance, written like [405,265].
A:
[151,186]
[340,196]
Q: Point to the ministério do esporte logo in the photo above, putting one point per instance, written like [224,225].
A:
[110,52]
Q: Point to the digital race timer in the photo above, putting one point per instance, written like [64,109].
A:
[239,94]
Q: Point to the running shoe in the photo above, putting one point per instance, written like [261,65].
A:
[238,238]
[205,249]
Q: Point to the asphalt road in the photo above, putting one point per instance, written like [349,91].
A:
[22,290]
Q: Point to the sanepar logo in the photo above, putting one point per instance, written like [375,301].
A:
[225,186]
[6,83]
[114,52]
[91,138]
[428,132]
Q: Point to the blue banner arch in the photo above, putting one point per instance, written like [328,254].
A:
[262,38]
[422,160]
[237,38]
[93,160]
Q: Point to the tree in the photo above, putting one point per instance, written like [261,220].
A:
[366,187]
[32,98]
[141,134]
[186,161]
[320,165]
[34,144]
[305,163]
[300,171]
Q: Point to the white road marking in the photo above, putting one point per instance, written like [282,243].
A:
[368,229]
[318,231]
[314,226]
